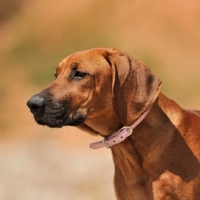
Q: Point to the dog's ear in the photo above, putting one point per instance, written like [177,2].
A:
[134,87]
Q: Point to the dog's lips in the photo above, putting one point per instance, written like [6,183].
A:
[60,122]
[77,121]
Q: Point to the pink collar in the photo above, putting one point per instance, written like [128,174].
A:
[118,136]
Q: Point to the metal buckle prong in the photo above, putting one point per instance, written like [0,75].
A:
[106,143]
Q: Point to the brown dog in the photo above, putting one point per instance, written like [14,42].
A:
[101,90]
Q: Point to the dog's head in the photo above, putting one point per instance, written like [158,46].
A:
[96,83]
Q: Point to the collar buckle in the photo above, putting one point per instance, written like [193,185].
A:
[128,129]
[106,143]
[118,136]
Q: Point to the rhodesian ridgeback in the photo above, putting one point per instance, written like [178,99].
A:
[155,143]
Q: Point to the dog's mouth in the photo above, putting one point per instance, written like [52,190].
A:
[59,123]
[55,114]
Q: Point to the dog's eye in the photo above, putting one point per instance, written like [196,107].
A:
[79,75]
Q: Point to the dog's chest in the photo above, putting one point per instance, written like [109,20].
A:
[170,186]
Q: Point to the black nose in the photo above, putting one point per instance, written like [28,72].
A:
[35,103]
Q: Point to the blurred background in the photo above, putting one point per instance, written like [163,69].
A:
[39,163]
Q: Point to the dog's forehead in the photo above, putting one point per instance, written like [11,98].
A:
[91,59]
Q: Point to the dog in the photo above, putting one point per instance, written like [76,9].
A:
[155,143]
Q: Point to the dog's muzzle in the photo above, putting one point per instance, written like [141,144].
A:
[51,113]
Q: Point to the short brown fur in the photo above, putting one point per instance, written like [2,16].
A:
[160,160]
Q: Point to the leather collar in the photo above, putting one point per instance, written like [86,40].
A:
[118,136]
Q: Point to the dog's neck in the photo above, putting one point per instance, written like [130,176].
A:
[120,135]
[134,156]
[104,124]
[156,151]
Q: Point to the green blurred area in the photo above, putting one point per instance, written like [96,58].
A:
[39,36]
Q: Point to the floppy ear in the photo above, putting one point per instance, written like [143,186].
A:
[134,87]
